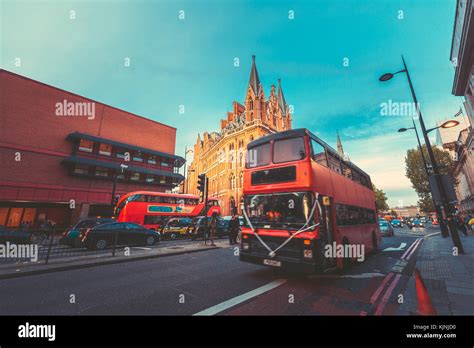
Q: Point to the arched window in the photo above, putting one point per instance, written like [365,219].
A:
[251,104]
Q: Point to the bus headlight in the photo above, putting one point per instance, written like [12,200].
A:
[245,246]
[308,254]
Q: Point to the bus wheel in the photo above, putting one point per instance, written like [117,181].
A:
[173,236]
[375,244]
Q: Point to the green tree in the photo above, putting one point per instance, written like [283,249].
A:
[380,199]
[415,171]
[425,203]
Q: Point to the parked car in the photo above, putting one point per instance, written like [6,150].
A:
[14,236]
[71,236]
[176,227]
[125,233]
[397,223]
[386,228]
[197,227]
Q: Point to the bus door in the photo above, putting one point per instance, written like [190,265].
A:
[327,224]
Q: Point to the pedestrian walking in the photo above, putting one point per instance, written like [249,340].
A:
[459,221]
[213,227]
[234,226]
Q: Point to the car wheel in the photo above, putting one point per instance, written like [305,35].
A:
[173,236]
[100,244]
[150,240]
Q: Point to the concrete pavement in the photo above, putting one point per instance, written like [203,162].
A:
[449,279]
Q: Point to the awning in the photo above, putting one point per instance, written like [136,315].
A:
[178,160]
[117,166]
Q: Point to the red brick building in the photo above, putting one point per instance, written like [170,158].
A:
[60,153]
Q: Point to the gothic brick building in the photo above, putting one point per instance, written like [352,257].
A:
[221,155]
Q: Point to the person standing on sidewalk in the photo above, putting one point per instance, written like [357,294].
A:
[213,227]
[459,221]
[234,226]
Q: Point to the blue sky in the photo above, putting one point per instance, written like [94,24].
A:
[190,62]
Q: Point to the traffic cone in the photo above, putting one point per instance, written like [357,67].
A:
[425,306]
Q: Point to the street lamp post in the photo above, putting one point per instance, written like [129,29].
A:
[122,168]
[434,165]
[185,184]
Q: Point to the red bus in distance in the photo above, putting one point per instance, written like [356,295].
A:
[303,203]
[152,209]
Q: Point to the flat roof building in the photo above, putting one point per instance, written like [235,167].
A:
[60,153]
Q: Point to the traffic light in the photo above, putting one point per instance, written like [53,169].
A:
[201,186]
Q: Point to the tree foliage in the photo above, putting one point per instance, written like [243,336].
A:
[380,199]
[415,171]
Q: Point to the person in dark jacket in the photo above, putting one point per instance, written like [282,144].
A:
[234,226]
[213,227]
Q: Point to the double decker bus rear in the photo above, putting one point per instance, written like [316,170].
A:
[292,186]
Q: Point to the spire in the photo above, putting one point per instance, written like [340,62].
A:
[254,81]
[340,149]
[281,99]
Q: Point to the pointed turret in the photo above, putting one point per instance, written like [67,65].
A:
[340,149]
[254,81]
[281,99]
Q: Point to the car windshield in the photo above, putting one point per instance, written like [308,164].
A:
[279,210]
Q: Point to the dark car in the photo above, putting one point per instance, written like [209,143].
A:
[197,227]
[71,236]
[397,223]
[386,228]
[123,233]
[13,236]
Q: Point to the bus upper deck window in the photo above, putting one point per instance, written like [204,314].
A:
[288,150]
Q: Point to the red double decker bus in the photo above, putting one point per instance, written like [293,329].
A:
[152,209]
[304,203]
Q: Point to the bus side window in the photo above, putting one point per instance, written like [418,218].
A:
[346,170]
[319,153]
[334,163]
[341,215]
[356,175]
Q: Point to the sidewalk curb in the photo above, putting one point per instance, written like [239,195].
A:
[413,309]
[100,263]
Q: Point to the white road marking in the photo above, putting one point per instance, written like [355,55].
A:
[241,298]
[401,247]
[142,248]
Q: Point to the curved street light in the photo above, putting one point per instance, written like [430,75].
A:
[436,174]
